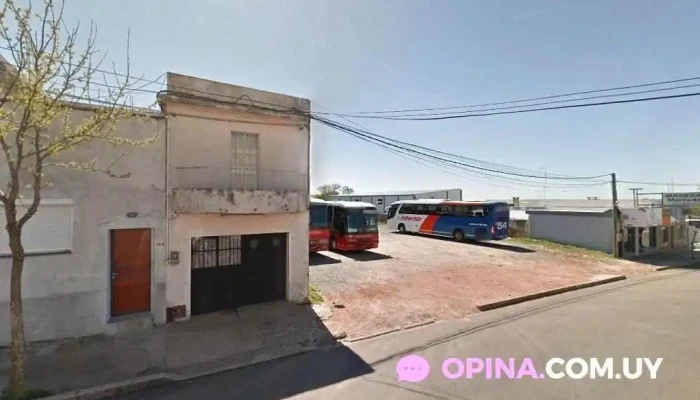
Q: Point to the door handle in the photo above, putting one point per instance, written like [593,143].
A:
[114,275]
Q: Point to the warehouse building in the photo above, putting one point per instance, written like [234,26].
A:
[384,199]
[644,230]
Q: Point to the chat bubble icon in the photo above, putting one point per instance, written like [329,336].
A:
[412,368]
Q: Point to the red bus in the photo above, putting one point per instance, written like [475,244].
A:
[353,226]
[319,232]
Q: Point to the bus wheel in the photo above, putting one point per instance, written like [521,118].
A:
[402,228]
[458,235]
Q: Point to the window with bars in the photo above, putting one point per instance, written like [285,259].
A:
[216,251]
[244,160]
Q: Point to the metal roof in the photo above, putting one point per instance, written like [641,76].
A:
[572,211]
[447,202]
[394,193]
[353,204]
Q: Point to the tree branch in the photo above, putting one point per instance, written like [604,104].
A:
[38,171]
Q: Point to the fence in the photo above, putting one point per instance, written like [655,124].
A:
[227,179]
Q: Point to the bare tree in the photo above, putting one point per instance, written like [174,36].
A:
[332,189]
[50,72]
[326,191]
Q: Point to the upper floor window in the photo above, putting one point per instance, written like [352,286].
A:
[244,160]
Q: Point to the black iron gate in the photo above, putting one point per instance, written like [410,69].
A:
[232,271]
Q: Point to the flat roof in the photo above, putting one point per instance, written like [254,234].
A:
[449,202]
[353,204]
[598,212]
[394,193]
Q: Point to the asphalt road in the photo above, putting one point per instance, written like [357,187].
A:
[655,317]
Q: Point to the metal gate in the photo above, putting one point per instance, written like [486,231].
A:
[232,271]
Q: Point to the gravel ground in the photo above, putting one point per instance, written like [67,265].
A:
[410,278]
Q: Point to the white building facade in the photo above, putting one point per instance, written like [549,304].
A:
[70,285]
[239,182]
[213,215]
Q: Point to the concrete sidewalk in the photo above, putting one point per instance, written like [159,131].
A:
[653,316]
[215,341]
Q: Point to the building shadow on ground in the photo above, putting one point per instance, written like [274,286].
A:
[322,259]
[272,380]
[223,340]
[675,259]
[365,255]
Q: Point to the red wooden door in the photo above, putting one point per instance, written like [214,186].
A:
[131,271]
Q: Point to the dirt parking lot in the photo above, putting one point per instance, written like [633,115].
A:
[411,278]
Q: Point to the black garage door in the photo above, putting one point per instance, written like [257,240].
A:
[232,271]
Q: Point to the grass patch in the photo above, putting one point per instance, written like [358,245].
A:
[315,295]
[562,248]
[30,394]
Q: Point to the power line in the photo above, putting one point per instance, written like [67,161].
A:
[114,73]
[378,138]
[659,183]
[437,165]
[534,98]
[523,106]
[644,99]
[472,160]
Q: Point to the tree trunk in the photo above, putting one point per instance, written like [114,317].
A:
[17,387]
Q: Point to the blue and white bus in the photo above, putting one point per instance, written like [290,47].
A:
[457,219]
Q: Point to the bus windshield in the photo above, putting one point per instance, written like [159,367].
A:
[501,211]
[319,216]
[362,221]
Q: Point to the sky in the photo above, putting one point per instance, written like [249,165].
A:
[358,55]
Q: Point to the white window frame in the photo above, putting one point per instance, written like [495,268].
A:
[244,171]
[29,247]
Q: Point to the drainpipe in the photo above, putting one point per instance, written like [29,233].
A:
[167,212]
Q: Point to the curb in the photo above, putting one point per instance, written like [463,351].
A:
[419,324]
[546,293]
[117,388]
[373,335]
[690,264]
[664,268]
[393,330]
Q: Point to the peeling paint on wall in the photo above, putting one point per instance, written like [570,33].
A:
[206,201]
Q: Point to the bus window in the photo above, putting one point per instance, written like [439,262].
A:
[407,209]
[392,211]
[431,209]
[478,212]
[422,210]
[444,210]
[463,211]
[500,209]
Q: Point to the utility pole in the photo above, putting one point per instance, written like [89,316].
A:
[635,196]
[616,218]
[545,185]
